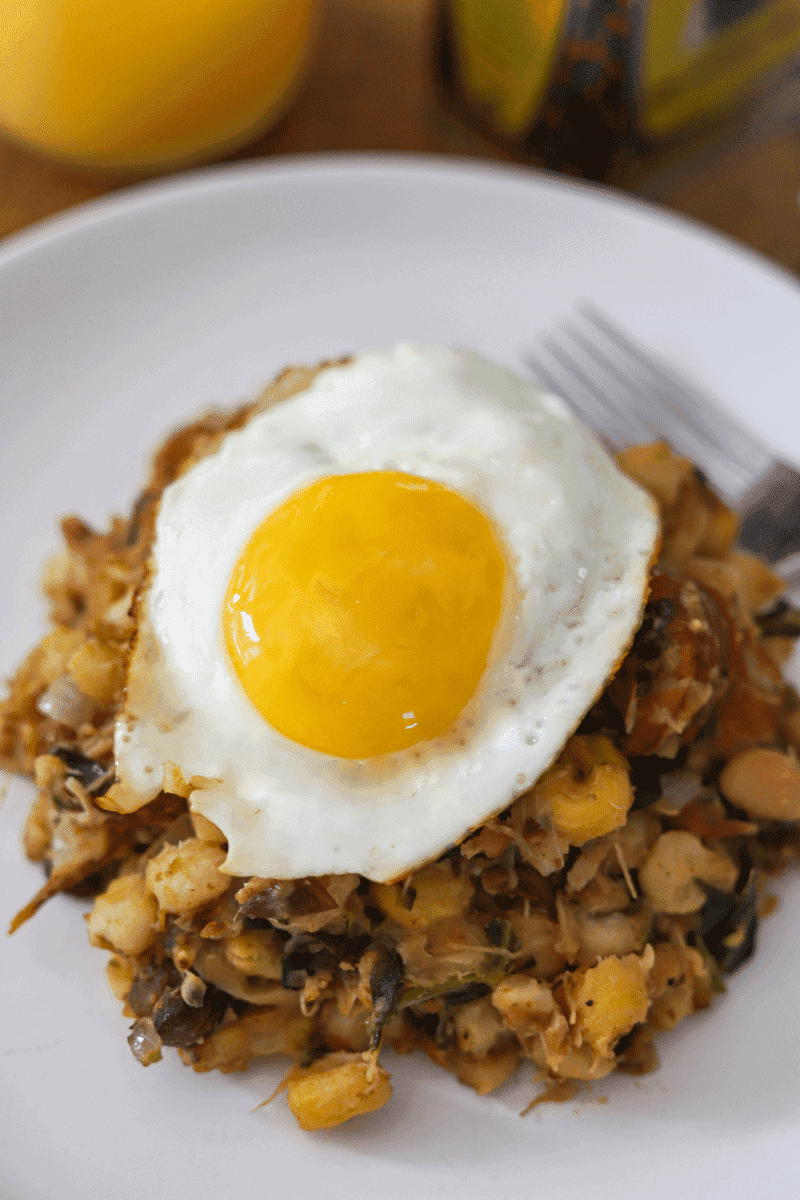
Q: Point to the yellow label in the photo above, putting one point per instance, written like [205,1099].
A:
[507,50]
[698,57]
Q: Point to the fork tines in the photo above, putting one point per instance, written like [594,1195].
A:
[627,395]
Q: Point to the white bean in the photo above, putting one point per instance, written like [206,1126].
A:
[124,916]
[185,877]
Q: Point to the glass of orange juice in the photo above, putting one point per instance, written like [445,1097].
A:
[143,85]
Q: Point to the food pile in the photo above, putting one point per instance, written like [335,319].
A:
[604,904]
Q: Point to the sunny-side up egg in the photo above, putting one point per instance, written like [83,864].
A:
[378,610]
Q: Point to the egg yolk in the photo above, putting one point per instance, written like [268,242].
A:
[360,615]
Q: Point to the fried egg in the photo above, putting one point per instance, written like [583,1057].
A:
[377,611]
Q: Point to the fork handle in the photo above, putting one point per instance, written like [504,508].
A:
[770,514]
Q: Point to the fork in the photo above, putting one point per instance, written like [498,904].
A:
[626,394]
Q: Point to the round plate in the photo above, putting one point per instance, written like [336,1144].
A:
[122,319]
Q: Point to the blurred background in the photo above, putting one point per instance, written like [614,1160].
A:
[693,103]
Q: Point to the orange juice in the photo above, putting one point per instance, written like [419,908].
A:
[147,83]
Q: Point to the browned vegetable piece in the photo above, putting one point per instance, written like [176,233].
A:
[781,620]
[283,900]
[750,712]
[273,1029]
[150,984]
[676,670]
[180,1024]
[658,469]
[693,519]
[708,818]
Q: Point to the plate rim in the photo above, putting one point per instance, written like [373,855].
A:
[165,191]
[103,211]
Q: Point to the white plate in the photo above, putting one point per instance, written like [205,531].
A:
[123,318]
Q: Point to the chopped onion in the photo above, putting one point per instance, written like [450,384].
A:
[680,787]
[66,703]
[145,1042]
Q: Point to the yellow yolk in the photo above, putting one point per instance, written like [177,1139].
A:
[360,615]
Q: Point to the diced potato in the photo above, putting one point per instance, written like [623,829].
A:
[686,524]
[593,808]
[537,936]
[437,895]
[76,844]
[577,1062]
[49,771]
[588,790]
[609,999]
[716,573]
[695,520]
[637,837]
[213,965]
[335,1089]
[584,752]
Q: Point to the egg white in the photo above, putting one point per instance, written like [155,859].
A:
[579,537]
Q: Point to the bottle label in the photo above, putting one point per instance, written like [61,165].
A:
[507,52]
[693,59]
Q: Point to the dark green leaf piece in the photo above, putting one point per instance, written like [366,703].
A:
[782,620]
[729,924]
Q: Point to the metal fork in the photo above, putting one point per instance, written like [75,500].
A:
[622,391]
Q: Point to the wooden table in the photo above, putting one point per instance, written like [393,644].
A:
[371,88]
